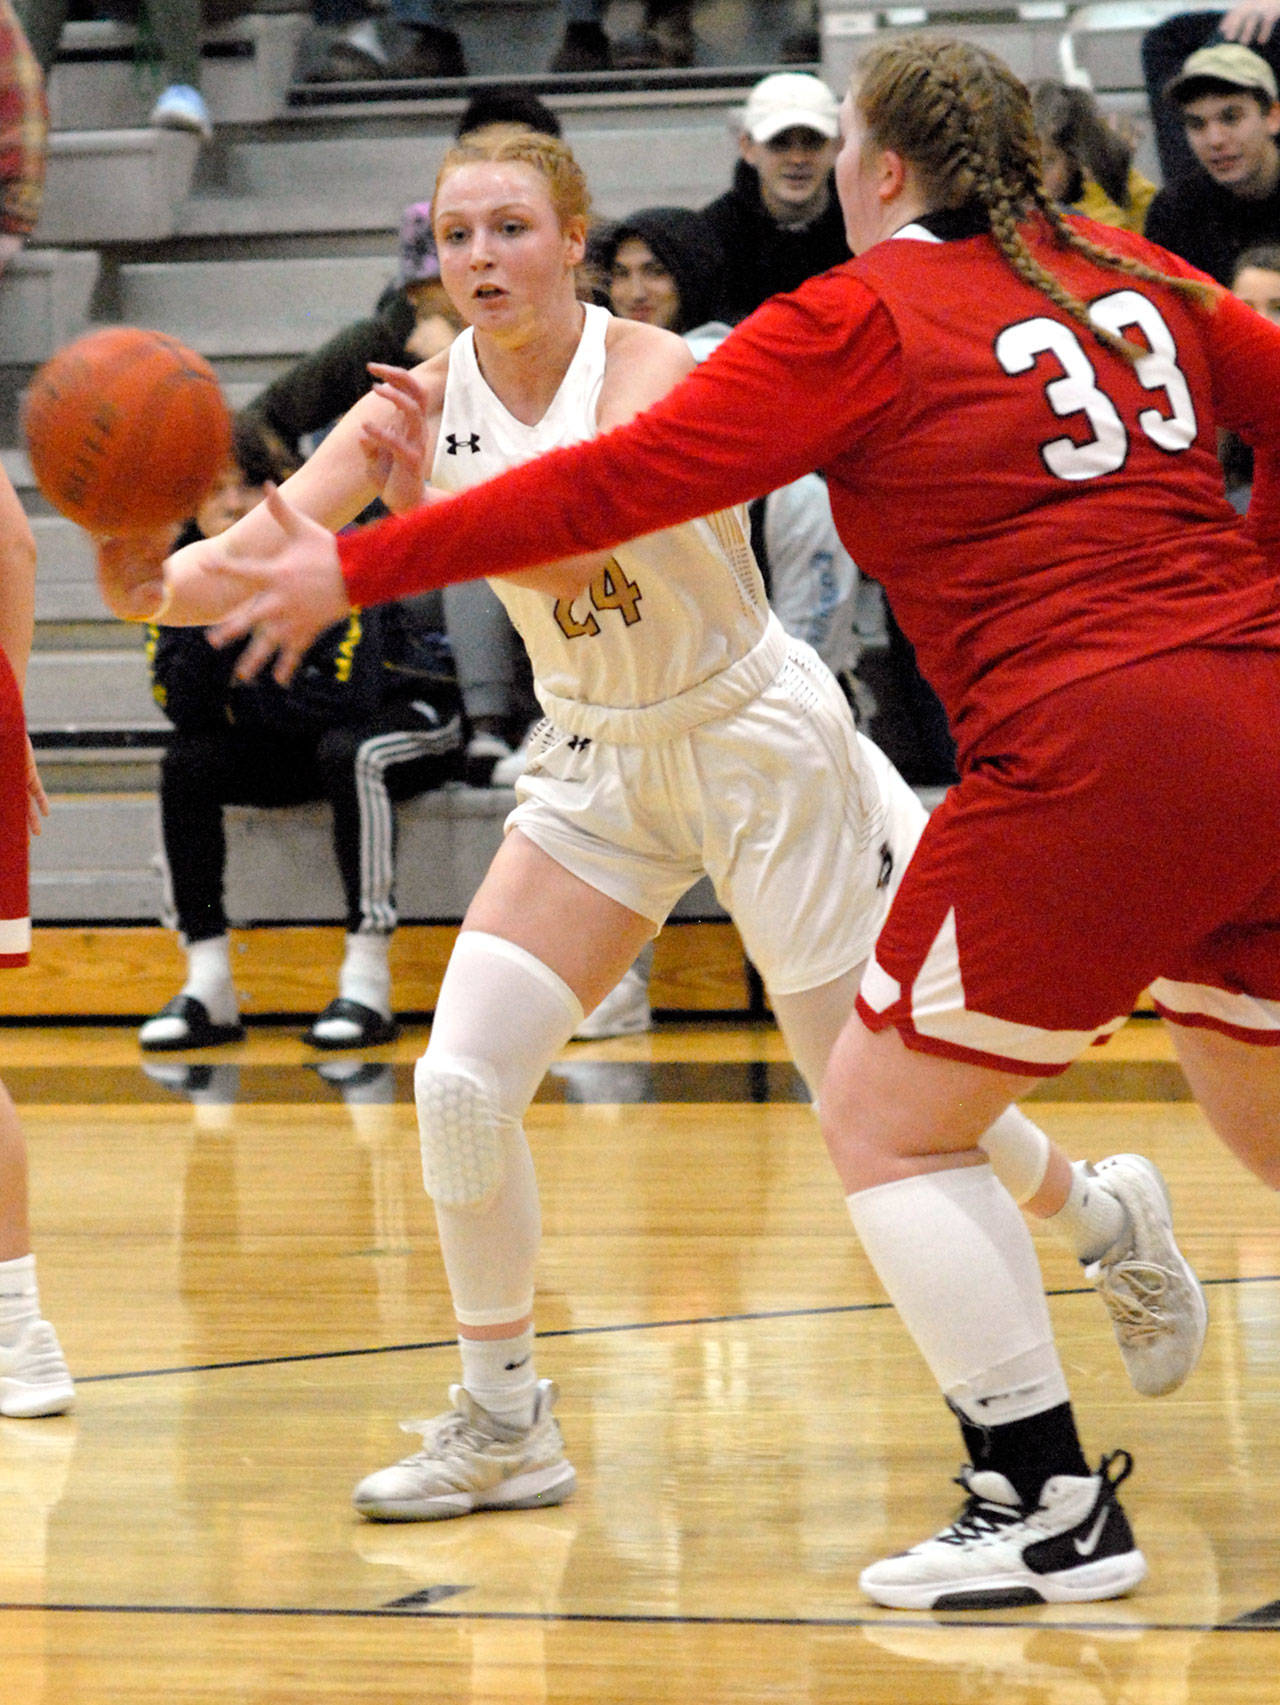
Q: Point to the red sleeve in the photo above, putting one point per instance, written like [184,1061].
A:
[1245,353]
[795,385]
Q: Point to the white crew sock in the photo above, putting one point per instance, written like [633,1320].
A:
[499,1374]
[1091,1219]
[366,971]
[19,1297]
[956,1258]
[209,978]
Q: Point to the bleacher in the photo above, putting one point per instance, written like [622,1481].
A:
[253,250]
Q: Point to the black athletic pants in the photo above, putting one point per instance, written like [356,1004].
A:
[361,771]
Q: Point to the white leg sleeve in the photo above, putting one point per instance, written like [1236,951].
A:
[502,1017]
[955,1256]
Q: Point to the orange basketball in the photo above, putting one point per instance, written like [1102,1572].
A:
[126,430]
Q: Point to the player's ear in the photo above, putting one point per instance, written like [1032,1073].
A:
[892,173]
[575,238]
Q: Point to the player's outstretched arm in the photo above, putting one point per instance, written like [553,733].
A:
[290,593]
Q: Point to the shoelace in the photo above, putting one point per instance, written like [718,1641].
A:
[452,1437]
[978,1518]
[1132,1292]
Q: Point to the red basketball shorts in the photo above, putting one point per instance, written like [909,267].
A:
[1120,834]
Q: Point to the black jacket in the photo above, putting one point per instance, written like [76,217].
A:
[329,381]
[354,671]
[762,257]
[1207,225]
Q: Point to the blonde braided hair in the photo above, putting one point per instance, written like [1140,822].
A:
[963,122]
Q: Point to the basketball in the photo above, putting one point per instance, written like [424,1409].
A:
[126,429]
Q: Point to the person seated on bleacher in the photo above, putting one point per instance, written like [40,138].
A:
[780,222]
[371,717]
[666,41]
[1166,48]
[176,26]
[1087,164]
[1256,280]
[406,39]
[1227,97]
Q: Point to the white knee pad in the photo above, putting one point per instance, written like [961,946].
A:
[462,1129]
[1019,1153]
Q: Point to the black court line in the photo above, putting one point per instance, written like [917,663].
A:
[673,1324]
[636,1619]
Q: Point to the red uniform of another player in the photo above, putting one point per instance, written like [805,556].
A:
[1042,513]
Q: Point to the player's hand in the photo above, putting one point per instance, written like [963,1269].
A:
[295,591]
[37,798]
[131,572]
[1251,22]
[397,453]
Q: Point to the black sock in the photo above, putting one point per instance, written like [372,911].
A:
[1026,1452]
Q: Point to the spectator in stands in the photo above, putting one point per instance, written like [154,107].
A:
[24,131]
[1227,97]
[1167,46]
[412,38]
[371,718]
[1256,280]
[176,25]
[1087,163]
[780,222]
[666,41]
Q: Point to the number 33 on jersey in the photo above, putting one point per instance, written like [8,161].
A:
[1102,448]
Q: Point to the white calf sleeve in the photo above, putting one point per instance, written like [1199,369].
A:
[501,1018]
[956,1259]
[1018,1152]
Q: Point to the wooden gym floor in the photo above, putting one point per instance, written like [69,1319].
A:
[240,1261]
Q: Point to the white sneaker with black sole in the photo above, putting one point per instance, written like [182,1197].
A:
[1156,1303]
[1074,1546]
[470,1460]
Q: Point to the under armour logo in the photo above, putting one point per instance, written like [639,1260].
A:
[579,743]
[455,444]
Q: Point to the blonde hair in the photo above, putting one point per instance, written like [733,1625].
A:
[963,122]
[547,155]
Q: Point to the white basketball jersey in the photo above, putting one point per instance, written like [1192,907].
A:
[668,613]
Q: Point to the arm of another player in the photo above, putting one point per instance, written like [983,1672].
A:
[207,579]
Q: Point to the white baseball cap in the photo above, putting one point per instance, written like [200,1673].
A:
[790,100]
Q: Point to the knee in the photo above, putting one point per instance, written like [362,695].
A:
[336,752]
[463,1130]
